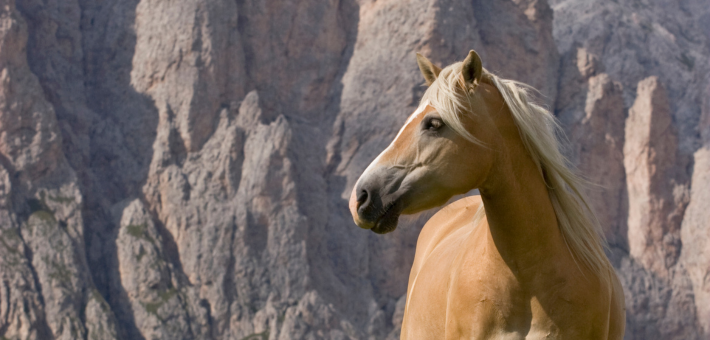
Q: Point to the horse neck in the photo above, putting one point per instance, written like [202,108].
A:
[521,218]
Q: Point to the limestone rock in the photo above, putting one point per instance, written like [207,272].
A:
[29,142]
[42,225]
[51,233]
[25,132]
[638,39]
[661,294]
[188,74]
[22,314]
[658,307]
[314,318]
[591,110]
[650,160]
[181,169]
[158,302]
[600,153]
[631,41]
[695,235]
[100,322]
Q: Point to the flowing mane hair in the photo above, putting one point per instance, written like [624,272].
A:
[539,131]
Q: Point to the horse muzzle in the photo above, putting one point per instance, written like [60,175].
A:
[370,209]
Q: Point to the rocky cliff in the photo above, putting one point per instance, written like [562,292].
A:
[180,169]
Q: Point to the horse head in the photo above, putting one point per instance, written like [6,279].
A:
[445,148]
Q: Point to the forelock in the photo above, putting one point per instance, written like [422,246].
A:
[449,97]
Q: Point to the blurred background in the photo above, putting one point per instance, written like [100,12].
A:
[180,169]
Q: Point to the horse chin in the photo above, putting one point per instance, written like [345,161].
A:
[386,225]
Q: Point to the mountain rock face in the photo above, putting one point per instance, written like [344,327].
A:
[181,169]
[657,51]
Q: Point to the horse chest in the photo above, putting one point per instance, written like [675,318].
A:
[464,290]
[460,280]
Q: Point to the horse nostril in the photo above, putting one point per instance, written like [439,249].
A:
[362,197]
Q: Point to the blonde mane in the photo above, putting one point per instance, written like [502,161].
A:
[539,131]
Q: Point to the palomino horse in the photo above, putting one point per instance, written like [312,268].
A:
[524,259]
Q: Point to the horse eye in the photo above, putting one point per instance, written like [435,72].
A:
[433,124]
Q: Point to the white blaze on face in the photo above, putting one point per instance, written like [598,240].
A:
[411,118]
[353,205]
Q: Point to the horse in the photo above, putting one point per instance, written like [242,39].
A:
[522,260]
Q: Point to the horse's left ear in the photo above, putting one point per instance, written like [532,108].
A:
[472,68]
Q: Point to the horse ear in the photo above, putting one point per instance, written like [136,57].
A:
[429,70]
[472,68]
